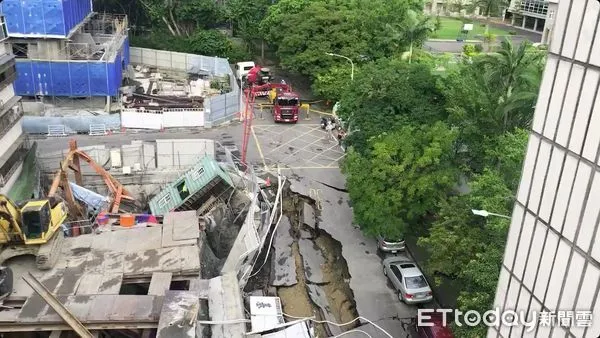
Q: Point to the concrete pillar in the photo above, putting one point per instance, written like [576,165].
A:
[524,20]
[535,24]
[108,101]
[512,20]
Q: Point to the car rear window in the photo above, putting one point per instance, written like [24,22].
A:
[416,282]
[407,266]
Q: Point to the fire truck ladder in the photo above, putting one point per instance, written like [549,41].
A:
[248,115]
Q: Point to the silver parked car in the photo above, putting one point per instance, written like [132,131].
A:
[408,280]
[390,246]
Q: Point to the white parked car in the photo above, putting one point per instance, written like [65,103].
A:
[408,280]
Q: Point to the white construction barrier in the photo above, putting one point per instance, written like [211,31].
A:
[167,118]
[56,130]
[98,130]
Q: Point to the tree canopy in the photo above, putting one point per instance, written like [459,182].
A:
[387,94]
[477,112]
[406,172]
[302,31]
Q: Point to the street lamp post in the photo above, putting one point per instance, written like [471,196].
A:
[485,213]
[347,58]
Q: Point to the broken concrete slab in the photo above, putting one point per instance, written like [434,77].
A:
[313,261]
[178,315]
[308,215]
[318,296]
[283,272]
[306,234]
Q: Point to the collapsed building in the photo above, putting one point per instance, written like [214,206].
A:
[174,266]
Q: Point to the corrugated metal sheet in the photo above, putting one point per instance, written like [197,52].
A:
[200,175]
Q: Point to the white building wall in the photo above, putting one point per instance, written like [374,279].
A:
[9,139]
[11,181]
[7,93]
[552,257]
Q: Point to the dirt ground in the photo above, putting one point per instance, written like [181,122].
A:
[338,291]
[295,299]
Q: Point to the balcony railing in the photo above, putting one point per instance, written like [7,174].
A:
[3,31]
[9,120]
[10,166]
[8,70]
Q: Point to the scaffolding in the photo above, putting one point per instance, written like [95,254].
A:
[87,65]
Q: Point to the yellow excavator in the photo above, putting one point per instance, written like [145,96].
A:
[32,228]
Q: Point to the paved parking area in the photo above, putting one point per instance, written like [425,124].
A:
[296,146]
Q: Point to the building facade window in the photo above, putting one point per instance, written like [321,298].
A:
[535,7]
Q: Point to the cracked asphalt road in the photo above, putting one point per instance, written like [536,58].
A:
[374,297]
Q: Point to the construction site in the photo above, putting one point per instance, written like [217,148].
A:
[166,238]
[131,216]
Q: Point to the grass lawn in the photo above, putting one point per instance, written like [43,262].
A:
[450,29]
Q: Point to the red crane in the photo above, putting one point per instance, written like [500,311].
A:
[247,116]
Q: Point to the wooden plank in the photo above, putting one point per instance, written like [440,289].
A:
[178,315]
[67,316]
[34,327]
[111,284]
[160,283]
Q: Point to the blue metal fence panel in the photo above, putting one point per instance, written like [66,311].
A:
[24,82]
[80,78]
[13,15]
[54,23]
[60,78]
[98,78]
[43,17]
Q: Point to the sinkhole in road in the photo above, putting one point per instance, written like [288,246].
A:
[321,284]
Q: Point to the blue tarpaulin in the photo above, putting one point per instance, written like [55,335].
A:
[32,18]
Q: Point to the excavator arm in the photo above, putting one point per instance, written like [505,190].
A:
[72,161]
[10,221]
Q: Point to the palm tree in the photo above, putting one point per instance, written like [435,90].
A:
[490,7]
[514,75]
[415,28]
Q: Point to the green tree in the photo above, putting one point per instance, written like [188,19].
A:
[490,8]
[510,71]
[183,18]
[245,17]
[388,94]
[468,248]
[303,31]
[415,28]
[332,83]
[505,153]
[401,179]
